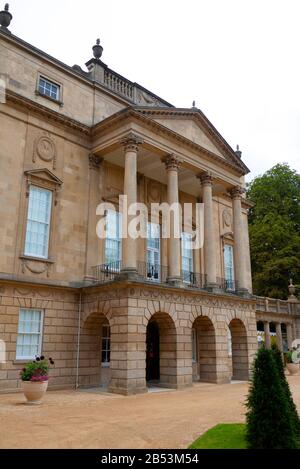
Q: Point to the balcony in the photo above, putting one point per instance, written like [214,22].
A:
[156,273]
[229,286]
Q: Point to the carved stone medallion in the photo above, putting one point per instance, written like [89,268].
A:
[45,149]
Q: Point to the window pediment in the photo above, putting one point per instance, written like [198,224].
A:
[43,178]
[228,236]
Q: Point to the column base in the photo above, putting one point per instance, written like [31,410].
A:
[175,282]
[213,287]
[243,292]
[128,274]
[89,279]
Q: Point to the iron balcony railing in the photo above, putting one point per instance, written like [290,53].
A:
[193,279]
[157,273]
[152,272]
[106,272]
[230,286]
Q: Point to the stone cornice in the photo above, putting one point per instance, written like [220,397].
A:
[131,113]
[49,114]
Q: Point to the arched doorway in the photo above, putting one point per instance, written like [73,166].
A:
[94,352]
[161,364]
[239,347]
[204,350]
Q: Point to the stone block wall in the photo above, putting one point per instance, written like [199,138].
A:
[59,339]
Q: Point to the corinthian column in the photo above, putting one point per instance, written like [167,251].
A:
[209,246]
[172,165]
[239,248]
[129,245]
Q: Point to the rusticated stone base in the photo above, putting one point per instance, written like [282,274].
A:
[128,308]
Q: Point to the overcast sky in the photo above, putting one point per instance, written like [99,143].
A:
[238,59]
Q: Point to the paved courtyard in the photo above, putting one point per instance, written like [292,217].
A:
[169,419]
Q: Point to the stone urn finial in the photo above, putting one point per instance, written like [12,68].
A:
[97,50]
[292,291]
[5,18]
[238,152]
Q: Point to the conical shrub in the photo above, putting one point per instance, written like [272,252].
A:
[286,388]
[269,422]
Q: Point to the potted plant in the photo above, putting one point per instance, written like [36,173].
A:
[291,366]
[35,376]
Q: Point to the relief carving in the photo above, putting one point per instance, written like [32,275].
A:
[153,192]
[227,219]
[45,149]
[36,267]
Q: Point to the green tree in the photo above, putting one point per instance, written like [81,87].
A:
[274,228]
[269,422]
[277,355]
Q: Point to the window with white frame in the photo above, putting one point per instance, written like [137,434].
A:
[153,252]
[105,345]
[187,257]
[228,266]
[48,88]
[38,222]
[29,340]
[194,345]
[113,244]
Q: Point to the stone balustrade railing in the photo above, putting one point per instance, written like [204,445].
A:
[273,305]
[118,84]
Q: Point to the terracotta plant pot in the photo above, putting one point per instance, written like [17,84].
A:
[34,392]
[293,368]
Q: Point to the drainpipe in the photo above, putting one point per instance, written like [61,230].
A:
[78,342]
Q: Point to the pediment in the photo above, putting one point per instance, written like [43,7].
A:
[190,129]
[193,125]
[43,175]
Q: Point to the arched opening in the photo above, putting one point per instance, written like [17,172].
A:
[285,342]
[161,365]
[239,348]
[260,334]
[204,350]
[273,335]
[94,352]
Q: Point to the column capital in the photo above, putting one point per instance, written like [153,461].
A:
[171,161]
[94,161]
[237,192]
[206,179]
[131,142]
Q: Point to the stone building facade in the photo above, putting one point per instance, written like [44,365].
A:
[118,313]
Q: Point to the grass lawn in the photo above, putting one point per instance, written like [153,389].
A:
[223,436]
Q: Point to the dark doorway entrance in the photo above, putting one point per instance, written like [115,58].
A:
[152,352]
